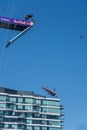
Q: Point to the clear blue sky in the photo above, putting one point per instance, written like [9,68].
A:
[50,54]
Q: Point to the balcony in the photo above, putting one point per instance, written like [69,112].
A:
[61,107]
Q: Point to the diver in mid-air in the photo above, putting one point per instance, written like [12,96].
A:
[28,17]
[50,91]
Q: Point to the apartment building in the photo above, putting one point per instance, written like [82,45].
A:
[25,110]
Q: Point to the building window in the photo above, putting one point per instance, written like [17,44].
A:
[36,122]
[1,112]
[52,128]
[29,100]
[20,99]
[51,103]
[29,121]
[12,106]
[36,108]
[7,113]
[21,127]
[36,115]
[6,126]
[20,107]
[44,122]
[36,128]
[2,105]
[28,108]
[1,125]
[1,119]
[51,110]
[28,114]
[12,99]
[38,102]
[44,109]
[13,113]
[29,128]
[44,128]
[53,117]
[2,98]
[14,126]
[44,116]
[54,123]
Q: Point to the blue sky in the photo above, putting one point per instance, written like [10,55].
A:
[50,54]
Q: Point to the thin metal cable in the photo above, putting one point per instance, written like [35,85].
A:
[12,8]
[3,49]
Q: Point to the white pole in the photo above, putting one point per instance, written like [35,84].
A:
[17,36]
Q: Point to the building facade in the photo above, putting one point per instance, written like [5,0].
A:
[25,110]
